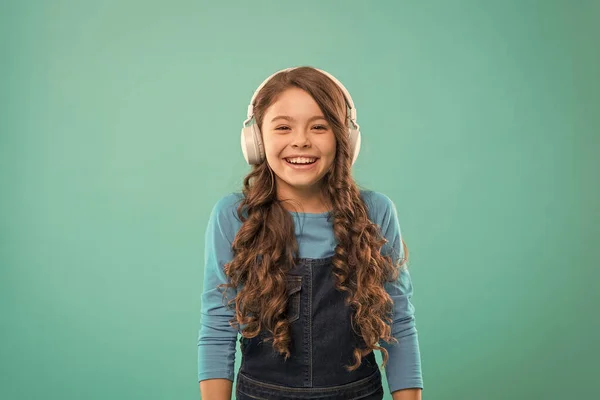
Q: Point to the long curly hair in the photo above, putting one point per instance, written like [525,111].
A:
[265,246]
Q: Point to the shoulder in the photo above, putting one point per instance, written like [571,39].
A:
[382,212]
[380,206]
[224,214]
[228,204]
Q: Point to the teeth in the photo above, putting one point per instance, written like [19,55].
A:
[301,160]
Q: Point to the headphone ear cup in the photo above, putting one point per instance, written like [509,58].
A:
[260,149]
[251,143]
[248,145]
[354,141]
[244,145]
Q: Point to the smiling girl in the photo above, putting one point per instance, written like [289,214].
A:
[309,269]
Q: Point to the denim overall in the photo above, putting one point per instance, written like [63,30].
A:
[322,341]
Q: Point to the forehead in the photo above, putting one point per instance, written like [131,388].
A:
[294,102]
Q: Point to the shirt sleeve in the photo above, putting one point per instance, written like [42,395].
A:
[216,338]
[403,369]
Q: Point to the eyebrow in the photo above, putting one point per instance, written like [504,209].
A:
[291,119]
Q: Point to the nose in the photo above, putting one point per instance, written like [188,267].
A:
[300,139]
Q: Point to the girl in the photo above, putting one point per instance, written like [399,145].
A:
[310,270]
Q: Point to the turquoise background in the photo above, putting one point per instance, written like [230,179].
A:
[120,125]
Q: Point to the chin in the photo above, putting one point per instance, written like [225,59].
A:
[303,184]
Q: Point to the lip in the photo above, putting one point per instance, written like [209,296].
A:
[301,167]
[301,155]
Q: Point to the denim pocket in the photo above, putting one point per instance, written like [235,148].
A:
[293,285]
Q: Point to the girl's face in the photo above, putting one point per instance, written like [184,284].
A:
[299,143]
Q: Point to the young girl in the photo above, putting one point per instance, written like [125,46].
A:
[308,268]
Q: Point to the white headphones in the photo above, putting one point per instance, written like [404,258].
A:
[251,139]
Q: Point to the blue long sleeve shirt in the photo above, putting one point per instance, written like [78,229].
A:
[314,233]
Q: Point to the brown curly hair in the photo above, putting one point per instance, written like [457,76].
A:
[265,246]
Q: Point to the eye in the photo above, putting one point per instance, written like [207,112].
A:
[318,127]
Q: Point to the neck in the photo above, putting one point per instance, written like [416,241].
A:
[310,200]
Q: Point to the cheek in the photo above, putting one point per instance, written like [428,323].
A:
[267,146]
[328,152]
[330,146]
[273,149]
[271,144]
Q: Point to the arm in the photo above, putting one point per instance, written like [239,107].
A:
[403,369]
[407,394]
[216,389]
[216,339]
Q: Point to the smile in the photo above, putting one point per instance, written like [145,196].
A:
[301,162]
